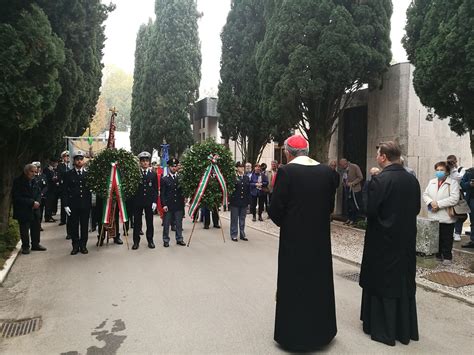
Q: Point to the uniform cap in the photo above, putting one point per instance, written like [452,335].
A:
[144,155]
[78,153]
[36,163]
[297,142]
[66,152]
[239,165]
[173,162]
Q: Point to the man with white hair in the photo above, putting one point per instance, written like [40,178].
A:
[26,209]
[302,201]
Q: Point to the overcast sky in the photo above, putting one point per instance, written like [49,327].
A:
[123,23]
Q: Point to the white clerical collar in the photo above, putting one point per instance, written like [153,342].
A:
[304,160]
[79,171]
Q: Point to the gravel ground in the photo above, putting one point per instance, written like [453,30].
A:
[347,243]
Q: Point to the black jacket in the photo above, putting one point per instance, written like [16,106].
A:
[389,258]
[147,191]
[241,195]
[53,180]
[25,193]
[171,193]
[42,183]
[76,192]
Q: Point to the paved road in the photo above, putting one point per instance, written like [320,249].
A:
[209,298]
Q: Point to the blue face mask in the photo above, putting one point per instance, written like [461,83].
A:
[440,175]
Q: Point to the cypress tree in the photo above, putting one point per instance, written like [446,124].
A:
[171,77]
[314,56]
[241,118]
[439,42]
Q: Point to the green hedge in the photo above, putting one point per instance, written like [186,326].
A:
[8,241]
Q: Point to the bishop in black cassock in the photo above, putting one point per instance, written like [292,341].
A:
[302,201]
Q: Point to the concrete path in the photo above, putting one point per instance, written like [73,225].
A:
[209,298]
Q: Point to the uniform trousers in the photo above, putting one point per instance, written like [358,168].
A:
[137,222]
[30,228]
[178,218]
[237,221]
[79,221]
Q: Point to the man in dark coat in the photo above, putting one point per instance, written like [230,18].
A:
[26,209]
[172,200]
[302,201]
[389,260]
[77,204]
[52,195]
[144,201]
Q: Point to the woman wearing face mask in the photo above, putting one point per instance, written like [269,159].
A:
[441,193]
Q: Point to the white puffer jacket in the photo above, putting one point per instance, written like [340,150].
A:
[446,196]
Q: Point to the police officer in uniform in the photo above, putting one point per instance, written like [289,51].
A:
[145,201]
[77,204]
[63,168]
[42,182]
[172,200]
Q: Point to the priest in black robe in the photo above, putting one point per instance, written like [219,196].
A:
[302,201]
[389,260]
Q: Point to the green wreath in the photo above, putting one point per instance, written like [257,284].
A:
[99,172]
[195,162]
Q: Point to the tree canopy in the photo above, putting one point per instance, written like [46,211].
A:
[439,41]
[50,65]
[314,56]
[239,106]
[171,75]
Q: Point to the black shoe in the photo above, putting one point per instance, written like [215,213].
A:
[41,229]
[68,237]
[244,238]
[234,239]
[50,220]
[84,250]
[166,244]
[254,219]
[25,251]
[61,223]
[135,246]
[38,247]
[182,243]
[260,218]
[93,229]
[151,245]
[141,233]
[117,240]
[206,227]
[74,251]
[468,245]
[217,227]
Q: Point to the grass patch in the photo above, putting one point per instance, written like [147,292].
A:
[361,224]
[8,241]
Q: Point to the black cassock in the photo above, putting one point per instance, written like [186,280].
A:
[389,260]
[302,201]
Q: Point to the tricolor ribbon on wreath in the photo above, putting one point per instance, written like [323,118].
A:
[213,167]
[114,189]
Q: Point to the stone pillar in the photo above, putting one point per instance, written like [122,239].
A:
[427,236]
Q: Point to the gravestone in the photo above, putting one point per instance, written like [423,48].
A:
[427,236]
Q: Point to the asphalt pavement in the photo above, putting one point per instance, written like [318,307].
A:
[212,297]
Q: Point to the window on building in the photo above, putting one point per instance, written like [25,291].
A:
[204,122]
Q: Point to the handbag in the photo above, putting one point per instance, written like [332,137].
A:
[461,209]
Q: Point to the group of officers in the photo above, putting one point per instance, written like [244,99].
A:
[37,191]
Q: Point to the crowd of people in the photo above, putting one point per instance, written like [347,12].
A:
[299,197]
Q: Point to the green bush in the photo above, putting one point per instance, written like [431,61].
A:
[361,224]
[8,241]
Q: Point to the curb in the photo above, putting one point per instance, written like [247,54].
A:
[420,283]
[9,263]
